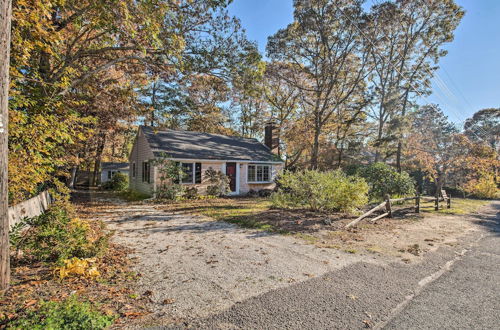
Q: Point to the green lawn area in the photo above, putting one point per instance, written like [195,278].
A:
[256,213]
[240,211]
[458,206]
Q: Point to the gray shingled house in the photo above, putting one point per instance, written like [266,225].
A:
[249,164]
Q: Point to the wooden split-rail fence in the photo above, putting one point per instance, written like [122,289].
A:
[387,206]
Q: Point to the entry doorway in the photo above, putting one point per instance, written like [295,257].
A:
[231,172]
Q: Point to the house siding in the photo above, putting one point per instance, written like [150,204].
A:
[245,186]
[104,174]
[202,187]
[141,152]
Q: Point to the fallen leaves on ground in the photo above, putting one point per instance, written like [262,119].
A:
[34,283]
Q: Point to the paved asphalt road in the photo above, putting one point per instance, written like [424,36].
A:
[467,297]
[454,288]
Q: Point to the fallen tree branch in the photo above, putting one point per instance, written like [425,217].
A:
[352,223]
[380,217]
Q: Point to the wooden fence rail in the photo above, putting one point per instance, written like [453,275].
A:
[29,208]
[387,204]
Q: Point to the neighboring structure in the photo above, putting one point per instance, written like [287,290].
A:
[108,170]
[249,164]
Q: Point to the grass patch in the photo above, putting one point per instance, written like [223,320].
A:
[375,249]
[310,239]
[240,211]
[67,314]
[459,206]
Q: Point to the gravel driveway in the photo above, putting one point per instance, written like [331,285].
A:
[192,266]
[202,273]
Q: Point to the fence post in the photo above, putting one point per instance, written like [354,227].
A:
[448,202]
[388,205]
[417,203]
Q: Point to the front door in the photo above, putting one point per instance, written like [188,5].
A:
[231,173]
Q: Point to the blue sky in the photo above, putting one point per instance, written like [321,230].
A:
[470,71]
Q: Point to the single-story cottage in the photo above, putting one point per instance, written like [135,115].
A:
[108,170]
[249,164]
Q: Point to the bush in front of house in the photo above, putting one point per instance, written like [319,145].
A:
[384,179]
[56,235]
[321,191]
[66,314]
[170,191]
[218,183]
[133,195]
[119,182]
[191,193]
[169,174]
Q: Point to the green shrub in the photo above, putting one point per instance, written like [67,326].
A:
[219,183]
[170,191]
[191,193]
[383,179]
[119,182]
[321,191]
[67,314]
[133,195]
[56,236]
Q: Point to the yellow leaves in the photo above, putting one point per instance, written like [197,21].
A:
[78,267]
[79,224]
[483,187]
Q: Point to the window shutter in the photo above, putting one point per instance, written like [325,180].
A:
[197,173]
[148,172]
[176,180]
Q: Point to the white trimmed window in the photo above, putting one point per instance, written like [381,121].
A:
[259,173]
[192,173]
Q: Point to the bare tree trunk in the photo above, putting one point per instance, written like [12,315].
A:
[5,19]
[398,156]
[315,149]
[439,183]
[379,138]
[98,156]
[71,183]
[400,137]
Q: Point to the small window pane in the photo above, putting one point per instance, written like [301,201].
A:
[187,169]
[197,173]
[259,173]
[266,173]
[251,173]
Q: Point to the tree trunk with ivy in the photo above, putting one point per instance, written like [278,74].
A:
[5,18]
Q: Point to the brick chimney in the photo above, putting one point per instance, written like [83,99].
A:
[271,138]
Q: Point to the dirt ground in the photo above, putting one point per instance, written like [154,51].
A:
[191,266]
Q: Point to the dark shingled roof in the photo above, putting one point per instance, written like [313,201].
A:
[114,166]
[196,145]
